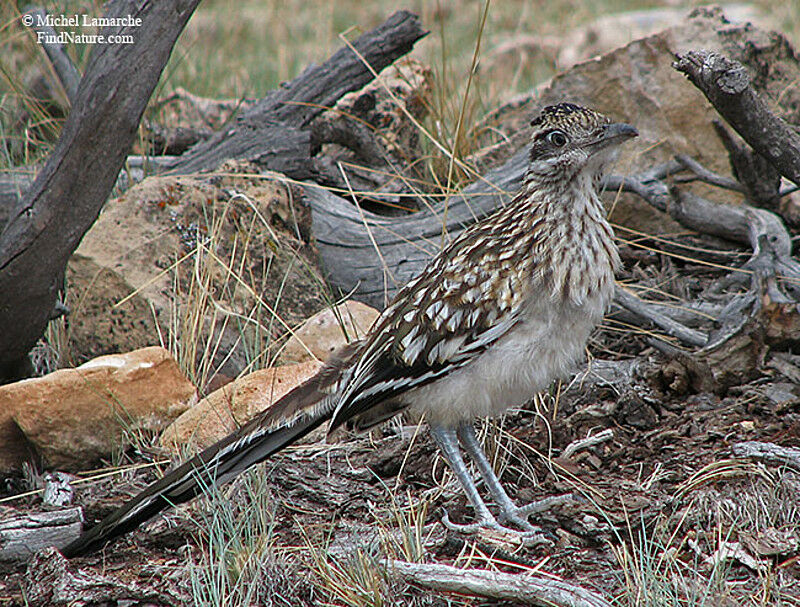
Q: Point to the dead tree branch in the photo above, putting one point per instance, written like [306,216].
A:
[726,84]
[528,589]
[660,318]
[275,132]
[68,193]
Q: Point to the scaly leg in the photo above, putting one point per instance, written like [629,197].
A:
[510,512]
[447,441]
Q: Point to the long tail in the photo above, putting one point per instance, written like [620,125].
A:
[299,412]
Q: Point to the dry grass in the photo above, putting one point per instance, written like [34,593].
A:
[243,50]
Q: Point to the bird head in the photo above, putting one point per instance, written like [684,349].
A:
[569,140]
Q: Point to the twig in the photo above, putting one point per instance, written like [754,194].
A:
[769,453]
[641,308]
[532,590]
[589,441]
[703,174]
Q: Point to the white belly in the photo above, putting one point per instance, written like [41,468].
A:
[541,348]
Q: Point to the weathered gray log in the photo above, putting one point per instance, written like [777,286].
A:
[527,589]
[274,132]
[373,255]
[22,535]
[68,193]
[726,84]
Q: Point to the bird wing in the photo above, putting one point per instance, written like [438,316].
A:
[441,321]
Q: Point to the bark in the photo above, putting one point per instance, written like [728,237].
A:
[727,86]
[769,453]
[23,535]
[49,580]
[68,193]
[275,132]
[527,589]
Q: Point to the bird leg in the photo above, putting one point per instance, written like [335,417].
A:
[510,512]
[447,441]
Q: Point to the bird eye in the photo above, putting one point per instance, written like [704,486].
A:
[557,138]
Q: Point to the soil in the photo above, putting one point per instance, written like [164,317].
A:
[665,486]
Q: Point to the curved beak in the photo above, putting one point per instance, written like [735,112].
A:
[619,130]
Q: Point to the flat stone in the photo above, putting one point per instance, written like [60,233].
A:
[231,406]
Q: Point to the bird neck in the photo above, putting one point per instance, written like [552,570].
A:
[572,238]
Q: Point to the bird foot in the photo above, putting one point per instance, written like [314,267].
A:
[542,505]
[530,536]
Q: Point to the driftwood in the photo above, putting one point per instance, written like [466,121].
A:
[527,589]
[22,535]
[68,193]
[275,132]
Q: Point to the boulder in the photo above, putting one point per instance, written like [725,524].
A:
[637,83]
[614,31]
[73,417]
[231,406]
[212,259]
[327,331]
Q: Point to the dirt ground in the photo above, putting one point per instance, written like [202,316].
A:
[662,509]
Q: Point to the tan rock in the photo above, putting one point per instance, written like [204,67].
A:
[247,253]
[328,330]
[637,84]
[226,409]
[73,417]
[614,31]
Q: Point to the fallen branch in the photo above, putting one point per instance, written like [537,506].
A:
[275,132]
[24,534]
[768,452]
[590,441]
[659,317]
[726,84]
[528,589]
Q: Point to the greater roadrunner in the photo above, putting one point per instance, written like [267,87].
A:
[496,316]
